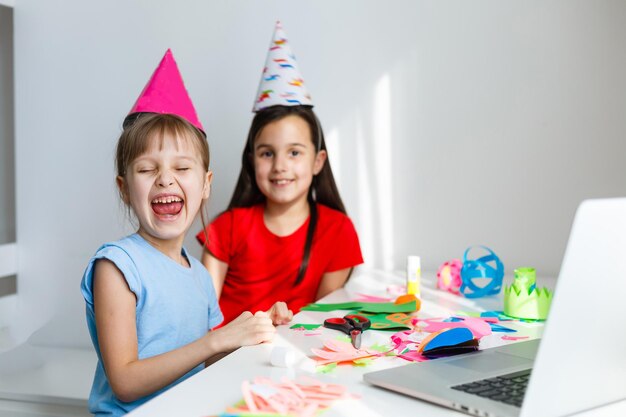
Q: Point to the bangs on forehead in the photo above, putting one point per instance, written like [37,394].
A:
[159,132]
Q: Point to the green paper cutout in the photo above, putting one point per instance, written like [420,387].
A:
[523,300]
[379,348]
[364,306]
[325,369]
[385,321]
[467,314]
[305,326]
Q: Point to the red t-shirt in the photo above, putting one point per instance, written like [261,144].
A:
[263,267]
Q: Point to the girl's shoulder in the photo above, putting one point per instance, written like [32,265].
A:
[330,214]
[126,250]
[333,221]
[129,243]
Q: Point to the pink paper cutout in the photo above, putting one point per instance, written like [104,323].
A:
[248,397]
[338,351]
[505,337]
[289,397]
[477,326]
[401,342]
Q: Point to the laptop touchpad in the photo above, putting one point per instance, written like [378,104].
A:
[488,363]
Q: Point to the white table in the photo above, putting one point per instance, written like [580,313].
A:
[219,386]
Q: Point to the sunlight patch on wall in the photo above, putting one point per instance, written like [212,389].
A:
[382,169]
[365,195]
[334,153]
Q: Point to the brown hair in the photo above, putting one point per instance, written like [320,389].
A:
[322,190]
[141,129]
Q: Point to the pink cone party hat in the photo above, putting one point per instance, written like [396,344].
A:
[165,93]
[281,82]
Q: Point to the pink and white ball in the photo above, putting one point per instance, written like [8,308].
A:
[449,276]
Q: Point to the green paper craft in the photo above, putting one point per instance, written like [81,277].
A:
[364,306]
[523,300]
[324,369]
[305,326]
[382,349]
[384,321]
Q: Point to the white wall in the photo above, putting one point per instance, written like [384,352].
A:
[449,123]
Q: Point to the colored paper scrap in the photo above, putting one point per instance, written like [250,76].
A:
[300,326]
[340,351]
[497,314]
[328,368]
[405,346]
[496,328]
[384,321]
[305,398]
[363,306]
[507,337]
[447,340]
[460,348]
[477,326]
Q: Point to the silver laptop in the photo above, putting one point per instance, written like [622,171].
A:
[580,362]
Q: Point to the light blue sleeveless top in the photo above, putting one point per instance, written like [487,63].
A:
[175,306]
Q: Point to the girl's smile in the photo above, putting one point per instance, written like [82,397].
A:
[167,205]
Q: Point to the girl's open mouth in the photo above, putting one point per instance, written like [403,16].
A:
[169,205]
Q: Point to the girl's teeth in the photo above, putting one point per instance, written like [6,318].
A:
[167,200]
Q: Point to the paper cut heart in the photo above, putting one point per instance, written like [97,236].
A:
[338,351]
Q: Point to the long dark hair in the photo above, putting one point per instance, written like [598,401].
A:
[323,189]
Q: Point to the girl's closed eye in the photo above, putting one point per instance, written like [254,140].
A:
[182,169]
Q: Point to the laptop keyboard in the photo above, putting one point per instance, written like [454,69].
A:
[509,388]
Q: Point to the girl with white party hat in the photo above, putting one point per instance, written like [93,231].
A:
[150,305]
[285,239]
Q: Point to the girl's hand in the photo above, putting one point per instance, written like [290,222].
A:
[245,330]
[279,313]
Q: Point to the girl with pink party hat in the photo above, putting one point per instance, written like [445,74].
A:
[150,305]
[285,239]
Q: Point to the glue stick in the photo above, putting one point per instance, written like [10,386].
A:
[413,275]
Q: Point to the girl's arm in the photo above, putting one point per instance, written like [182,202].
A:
[217,269]
[132,378]
[332,281]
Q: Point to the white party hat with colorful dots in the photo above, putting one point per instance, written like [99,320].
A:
[281,82]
